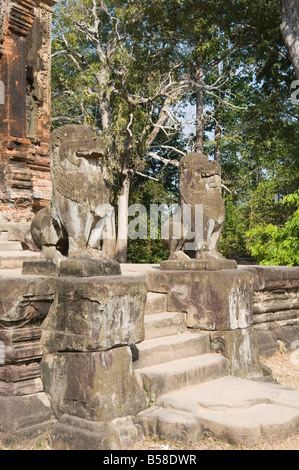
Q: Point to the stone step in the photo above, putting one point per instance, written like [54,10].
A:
[4,236]
[169,348]
[164,324]
[230,408]
[14,260]
[10,246]
[156,303]
[175,375]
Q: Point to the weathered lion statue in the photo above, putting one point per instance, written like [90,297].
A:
[196,227]
[79,222]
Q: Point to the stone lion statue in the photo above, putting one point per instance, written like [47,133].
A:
[196,227]
[79,222]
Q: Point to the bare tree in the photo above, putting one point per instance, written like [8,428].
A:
[125,149]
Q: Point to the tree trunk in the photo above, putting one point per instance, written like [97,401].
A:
[217,138]
[103,77]
[199,109]
[218,118]
[290,30]
[123,210]
[105,112]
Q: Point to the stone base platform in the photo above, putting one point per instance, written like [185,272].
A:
[72,267]
[208,264]
[65,349]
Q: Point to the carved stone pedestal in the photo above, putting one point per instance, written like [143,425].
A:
[66,360]
[87,364]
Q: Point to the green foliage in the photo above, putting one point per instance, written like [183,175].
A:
[277,245]
[233,239]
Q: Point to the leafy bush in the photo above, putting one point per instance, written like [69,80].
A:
[275,245]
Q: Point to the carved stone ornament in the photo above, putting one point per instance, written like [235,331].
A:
[21,16]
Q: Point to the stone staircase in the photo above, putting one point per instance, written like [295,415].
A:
[12,252]
[172,358]
[191,391]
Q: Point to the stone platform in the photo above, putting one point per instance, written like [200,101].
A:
[87,356]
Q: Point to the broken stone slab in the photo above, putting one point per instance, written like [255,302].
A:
[126,430]
[24,304]
[24,417]
[97,386]
[14,336]
[19,367]
[287,334]
[266,341]
[233,409]
[213,300]
[95,314]
[25,300]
